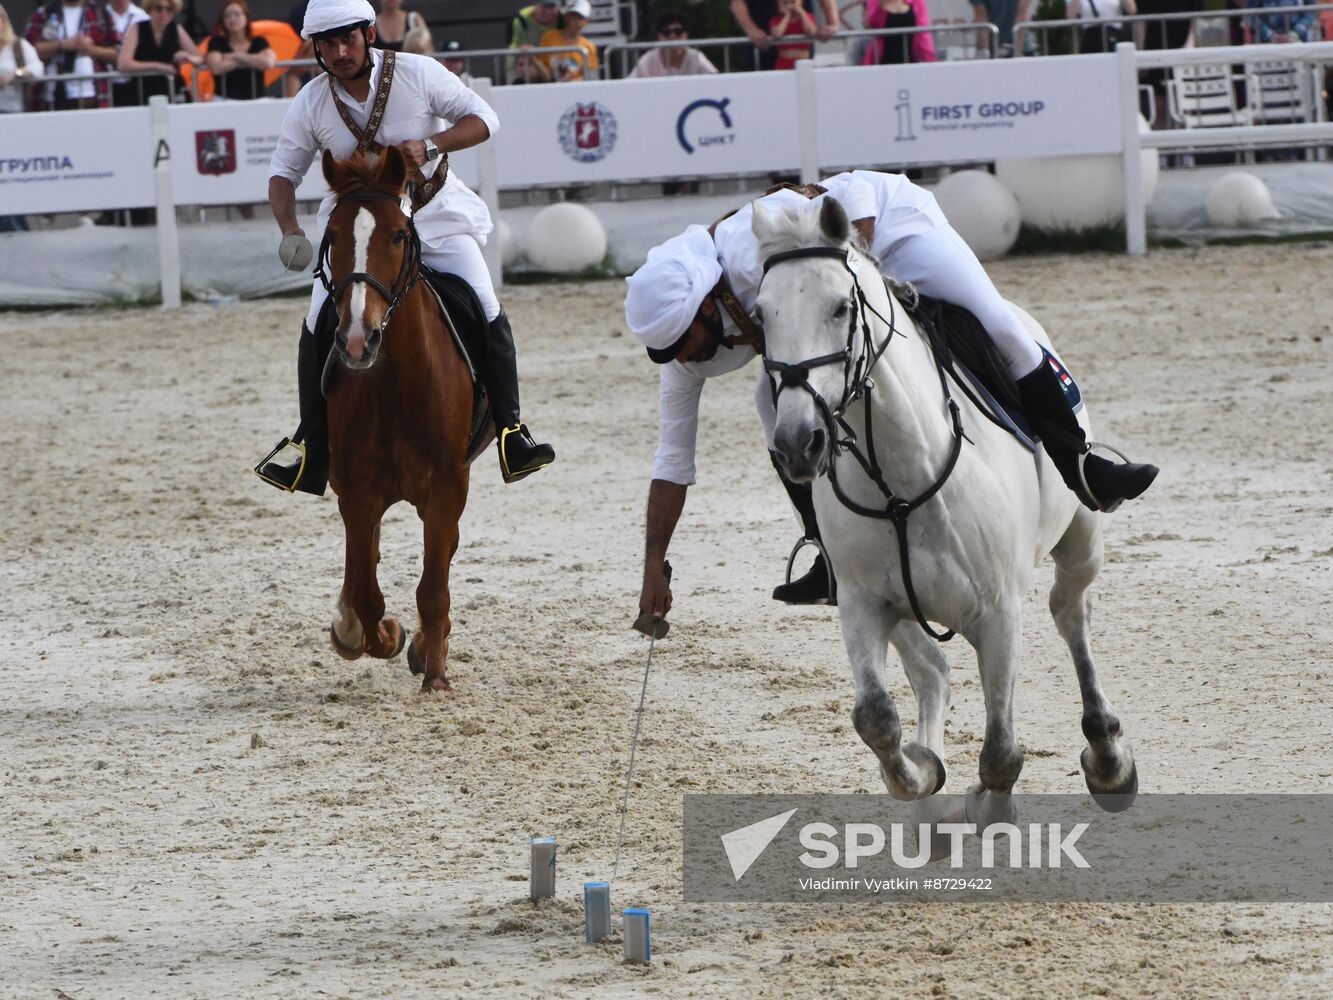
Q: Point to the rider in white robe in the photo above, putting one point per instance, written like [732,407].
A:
[428,112]
[672,307]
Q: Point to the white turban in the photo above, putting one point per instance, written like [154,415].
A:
[666,292]
[325,15]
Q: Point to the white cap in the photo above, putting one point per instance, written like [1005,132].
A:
[580,7]
[326,15]
[666,292]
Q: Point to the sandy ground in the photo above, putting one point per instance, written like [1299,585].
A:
[200,799]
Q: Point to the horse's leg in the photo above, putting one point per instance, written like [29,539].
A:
[430,646]
[910,770]
[379,636]
[1108,761]
[928,672]
[998,641]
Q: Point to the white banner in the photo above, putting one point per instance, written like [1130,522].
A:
[617,130]
[637,129]
[221,153]
[967,111]
[76,161]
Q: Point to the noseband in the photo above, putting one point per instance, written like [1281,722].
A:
[407,273]
[857,364]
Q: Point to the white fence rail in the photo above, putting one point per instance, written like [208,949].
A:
[814,120]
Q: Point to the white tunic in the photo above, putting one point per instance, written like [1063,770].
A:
[424,97]
[682,382]
[912,240]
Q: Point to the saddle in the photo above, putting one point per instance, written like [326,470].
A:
[970,357]
[466,322]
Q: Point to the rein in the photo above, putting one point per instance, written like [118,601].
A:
[408,273]
[857,384]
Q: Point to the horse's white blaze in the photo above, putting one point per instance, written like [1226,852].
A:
[362,230]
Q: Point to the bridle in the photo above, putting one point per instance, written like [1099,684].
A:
[408,273]
[858,361]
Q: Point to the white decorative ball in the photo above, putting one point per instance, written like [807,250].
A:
[1074,192]
[566,238]
[983,211]
[508,245]
[1239,199]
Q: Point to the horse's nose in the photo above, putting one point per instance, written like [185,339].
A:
[373,340]
[814,444]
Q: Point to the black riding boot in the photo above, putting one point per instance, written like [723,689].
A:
[817,586]
[310,472]
[1110,483]
[520,455]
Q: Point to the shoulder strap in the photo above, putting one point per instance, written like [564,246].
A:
[365,138]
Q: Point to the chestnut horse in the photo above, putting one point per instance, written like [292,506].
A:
[400,397]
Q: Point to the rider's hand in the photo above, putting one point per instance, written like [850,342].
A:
[295,251]
[414,152]
[656,596]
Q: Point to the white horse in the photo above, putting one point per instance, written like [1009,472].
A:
[928,510]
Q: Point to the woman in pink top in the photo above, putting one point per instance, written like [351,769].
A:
[898,14]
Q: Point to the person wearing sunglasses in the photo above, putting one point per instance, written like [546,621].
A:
[672,60]
[159,44]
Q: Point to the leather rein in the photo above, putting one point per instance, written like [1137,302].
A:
[408,273]
[858,361]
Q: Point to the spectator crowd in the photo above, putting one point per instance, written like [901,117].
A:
[116,52]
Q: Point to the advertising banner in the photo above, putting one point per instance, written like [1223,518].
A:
[968,111]
[221,153]
[632,129]
[76,161]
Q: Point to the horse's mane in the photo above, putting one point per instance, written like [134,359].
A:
[363,171]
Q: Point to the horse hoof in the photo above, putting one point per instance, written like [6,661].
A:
[439,684]
[414,663]
[929,764]
[983,807]
[346,652]
[402,641]
[1112,794]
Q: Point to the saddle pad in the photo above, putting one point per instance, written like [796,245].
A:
[971,358]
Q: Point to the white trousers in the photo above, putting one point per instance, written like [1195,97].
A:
[460,255]
[942,266]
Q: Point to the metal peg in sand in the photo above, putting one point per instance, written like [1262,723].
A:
[541,882]
[596,911]
[638,940]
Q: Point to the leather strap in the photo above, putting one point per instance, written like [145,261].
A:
[422,188]
[365,138]
[805,190]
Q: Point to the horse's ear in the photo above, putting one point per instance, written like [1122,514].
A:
[833,221]
[762,222]
[393,170]
[333,171]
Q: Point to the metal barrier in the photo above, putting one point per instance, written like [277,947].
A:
[53,85]
[621,51]
[1069,31]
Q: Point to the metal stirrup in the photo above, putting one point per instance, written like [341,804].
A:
[1104,508]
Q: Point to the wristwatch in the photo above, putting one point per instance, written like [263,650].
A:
[432,150]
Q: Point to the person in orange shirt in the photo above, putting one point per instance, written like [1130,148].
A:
[571,65]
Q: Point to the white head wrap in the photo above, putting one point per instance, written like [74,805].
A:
[325,15]
[666,292]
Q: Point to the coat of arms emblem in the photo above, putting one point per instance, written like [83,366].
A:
[587,132]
